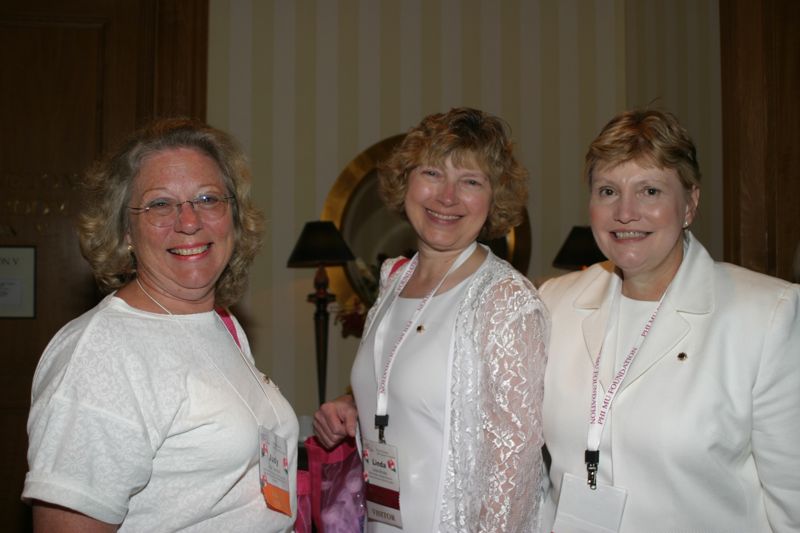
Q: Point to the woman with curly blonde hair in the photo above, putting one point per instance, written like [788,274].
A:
[456,136]
[147,411]
[108,184]
[448,380]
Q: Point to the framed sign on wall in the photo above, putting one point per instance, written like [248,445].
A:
[17,282]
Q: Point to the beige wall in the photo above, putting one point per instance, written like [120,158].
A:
[306,85]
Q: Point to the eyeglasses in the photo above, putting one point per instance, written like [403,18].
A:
[164,212]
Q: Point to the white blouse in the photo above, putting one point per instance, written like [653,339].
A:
[417,401]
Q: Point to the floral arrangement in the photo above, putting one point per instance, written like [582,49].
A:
[352,315]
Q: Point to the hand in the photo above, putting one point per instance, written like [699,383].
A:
[336,420]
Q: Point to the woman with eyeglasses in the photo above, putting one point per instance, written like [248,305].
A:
[148,413]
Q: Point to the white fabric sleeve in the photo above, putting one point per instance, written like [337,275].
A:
[89,447]
[776,414]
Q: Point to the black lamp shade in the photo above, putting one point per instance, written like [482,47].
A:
[319,244]
[579,250]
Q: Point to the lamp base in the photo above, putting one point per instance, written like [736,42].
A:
[321,298]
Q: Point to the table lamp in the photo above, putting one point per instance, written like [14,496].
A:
[579,250]
[320,244]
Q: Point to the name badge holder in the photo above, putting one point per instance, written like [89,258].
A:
[383,482]
[273,465]
[582,509]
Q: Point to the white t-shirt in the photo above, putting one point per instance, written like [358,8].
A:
[417,404]
[152,421]
[632,317]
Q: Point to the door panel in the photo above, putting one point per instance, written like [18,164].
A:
[760,66]
[77,77]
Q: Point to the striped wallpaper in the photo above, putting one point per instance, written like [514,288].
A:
[306,85]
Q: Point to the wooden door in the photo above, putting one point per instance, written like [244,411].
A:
[76,77]
[760,60]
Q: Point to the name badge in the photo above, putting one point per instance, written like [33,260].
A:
[383,483]
[273,465]
[585,510]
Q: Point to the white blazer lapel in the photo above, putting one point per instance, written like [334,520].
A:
[691,293]
[668,330]
[596,299]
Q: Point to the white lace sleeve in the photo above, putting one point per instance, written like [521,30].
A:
[513,337]
[493,480]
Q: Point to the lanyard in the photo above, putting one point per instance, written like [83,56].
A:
[381,411]
[598,414]
[232,332]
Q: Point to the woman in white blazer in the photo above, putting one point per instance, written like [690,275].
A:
[693,424]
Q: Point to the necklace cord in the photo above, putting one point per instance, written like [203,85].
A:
[139,283]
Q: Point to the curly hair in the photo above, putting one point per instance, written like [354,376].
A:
[104,220]
[649,136]
[467,136]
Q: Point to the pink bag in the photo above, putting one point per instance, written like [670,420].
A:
[337,487]
[302,524]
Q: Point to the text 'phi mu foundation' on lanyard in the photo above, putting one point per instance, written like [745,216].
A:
[381,412]
[599,414]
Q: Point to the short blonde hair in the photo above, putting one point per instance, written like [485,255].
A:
[104,220]
[468,136]
[648,136]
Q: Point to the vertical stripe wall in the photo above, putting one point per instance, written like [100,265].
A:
[305,85]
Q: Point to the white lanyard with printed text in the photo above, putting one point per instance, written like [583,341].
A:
[599,414]
[381,416]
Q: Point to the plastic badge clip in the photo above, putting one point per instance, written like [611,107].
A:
[381,421]
[592,459]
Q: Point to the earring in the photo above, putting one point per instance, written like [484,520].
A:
[685,224]
[132,259]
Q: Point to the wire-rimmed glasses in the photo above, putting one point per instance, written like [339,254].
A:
[164,212]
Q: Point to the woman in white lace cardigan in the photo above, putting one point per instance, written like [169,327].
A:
[448,380]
